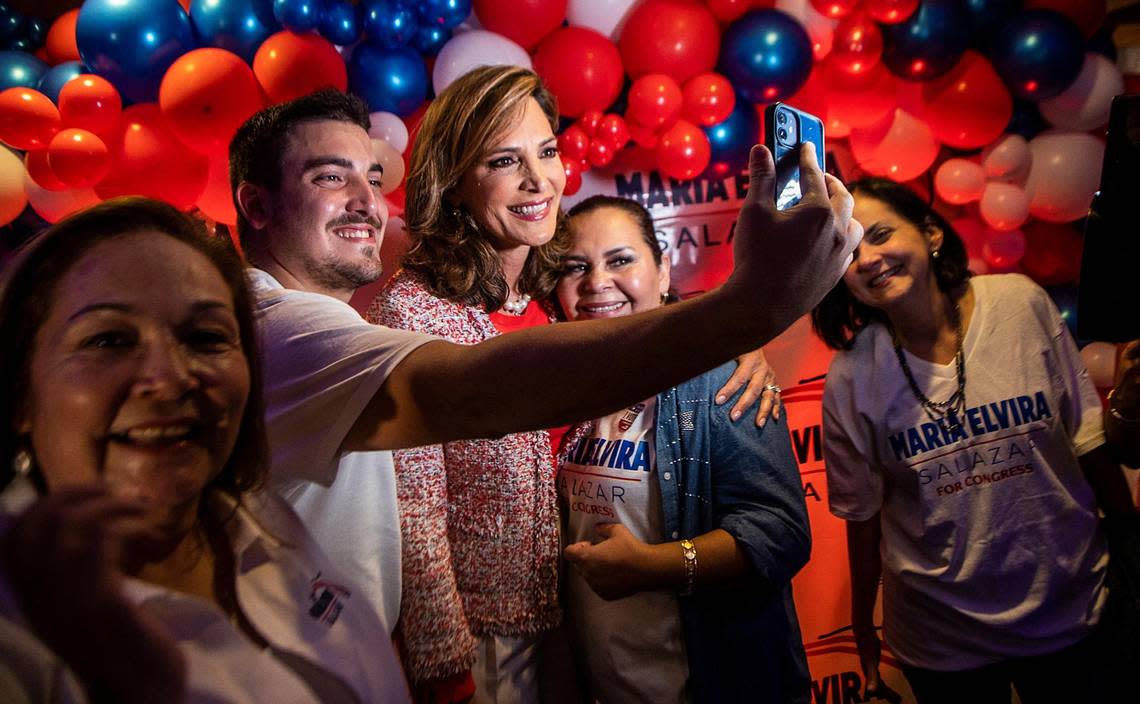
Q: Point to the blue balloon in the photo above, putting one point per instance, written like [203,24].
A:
[1026,119]
[340,23]
[766,55]
[447,14]
[929,43]
[430,39]
[52,82]
[239,26]
[389,78]
[20,69]
[131,43]
[11,26]
[732,139]
[298,16]
[1038,54]
[36,30]
[389,22]
[986,16]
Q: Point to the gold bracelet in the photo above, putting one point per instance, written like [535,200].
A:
[689,553]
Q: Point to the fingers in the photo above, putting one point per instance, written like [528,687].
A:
[812,183]
[742,373]
[606,531]
[576,552]
[842,202]
[762,175]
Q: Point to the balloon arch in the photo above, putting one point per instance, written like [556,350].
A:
[993,108]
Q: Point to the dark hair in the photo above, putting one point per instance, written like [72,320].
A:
[256,148]
[456,261]
[839,316]
[27,295]
[636,212]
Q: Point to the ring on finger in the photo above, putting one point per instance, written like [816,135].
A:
[774,388]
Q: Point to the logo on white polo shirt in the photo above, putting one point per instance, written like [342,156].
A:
[326,599]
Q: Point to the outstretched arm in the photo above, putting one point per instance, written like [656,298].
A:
[785,262]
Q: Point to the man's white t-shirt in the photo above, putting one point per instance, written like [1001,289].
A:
[322,364]
[632,647]
[990,538]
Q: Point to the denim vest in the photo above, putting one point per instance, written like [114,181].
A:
[742,641]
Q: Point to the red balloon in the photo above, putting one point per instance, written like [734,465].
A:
[857,44]
[654,100]
[525,22]
[217,201]
[60,44]
[573,143]
[291,65]
[854,102]
[600,152]
[573,177]
[148,160]
[679,38]
[613,129]
[581,67]
[969,107]
[589,122]
[683,151]
[834,8]
[708,99]
[28,118]
[1053,252]
[891,11]
[643,136]
[78,157]
[91,103]
[36,163]
[728,10]
[900,147]
[1088,15]
[206,95]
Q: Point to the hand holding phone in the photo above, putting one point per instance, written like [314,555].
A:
[785,129]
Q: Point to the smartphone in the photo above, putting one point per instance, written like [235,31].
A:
[785,129]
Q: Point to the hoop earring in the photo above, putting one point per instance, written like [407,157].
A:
[22,462]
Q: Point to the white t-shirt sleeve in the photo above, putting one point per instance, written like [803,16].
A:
[322,365]
[854,486]
[1082,409]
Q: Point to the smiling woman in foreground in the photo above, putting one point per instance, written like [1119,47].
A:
[136,545]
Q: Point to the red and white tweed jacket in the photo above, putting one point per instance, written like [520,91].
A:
[479,518]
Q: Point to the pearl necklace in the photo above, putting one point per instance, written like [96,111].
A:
[517,307]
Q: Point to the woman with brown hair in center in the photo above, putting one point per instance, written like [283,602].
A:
[480,517]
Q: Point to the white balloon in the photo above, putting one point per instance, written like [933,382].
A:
[472,49]
[820,28]
[12,196]
[959,181]
[1003,206]
[607,17]
[390,128]
[1100,360]
[55,205]
[1007,159]
[1064,176]
[1085,103]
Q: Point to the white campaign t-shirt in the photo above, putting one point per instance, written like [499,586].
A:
[991,547]
[632,647]
[322,364]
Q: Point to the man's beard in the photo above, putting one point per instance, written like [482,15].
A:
[340,275]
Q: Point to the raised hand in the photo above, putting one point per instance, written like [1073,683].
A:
[789,259]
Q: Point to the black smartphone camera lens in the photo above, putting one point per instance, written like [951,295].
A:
[782,134]
[781,117]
